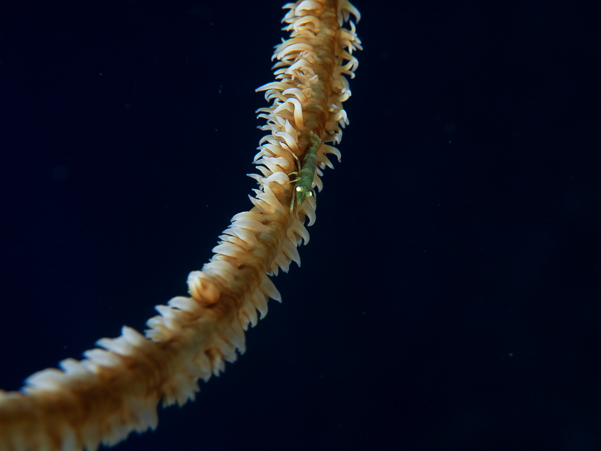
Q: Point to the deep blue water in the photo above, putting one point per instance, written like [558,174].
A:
[450,295]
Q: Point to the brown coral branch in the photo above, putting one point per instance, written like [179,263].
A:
[115,390]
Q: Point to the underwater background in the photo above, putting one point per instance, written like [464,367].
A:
[450,296]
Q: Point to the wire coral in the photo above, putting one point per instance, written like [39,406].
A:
[116,389]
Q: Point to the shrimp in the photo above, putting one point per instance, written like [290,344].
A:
[304,177]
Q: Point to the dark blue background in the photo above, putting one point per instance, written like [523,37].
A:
[450,295]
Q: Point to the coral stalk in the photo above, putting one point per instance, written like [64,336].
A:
[116,388]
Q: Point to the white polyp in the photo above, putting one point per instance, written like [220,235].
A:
[90,366]
[317,181]
[68,440]
[249,312]
[288,139]
[272,85]
[280,178]
[273,269]
[183,303]
[306,5]
[271,165]
[259,300]
[145,416]
[296,93]
[49,379]
[117,345]
[201,287]
[235,336]
[133,337]
[269,289]
[309,209]
[289,51]
[228,249]
[285,161]
[103,358]
[281,260]
[223,270]
[291,252]
[270,199]
[73,367]
[245,235]
[218,365]
[171,315]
